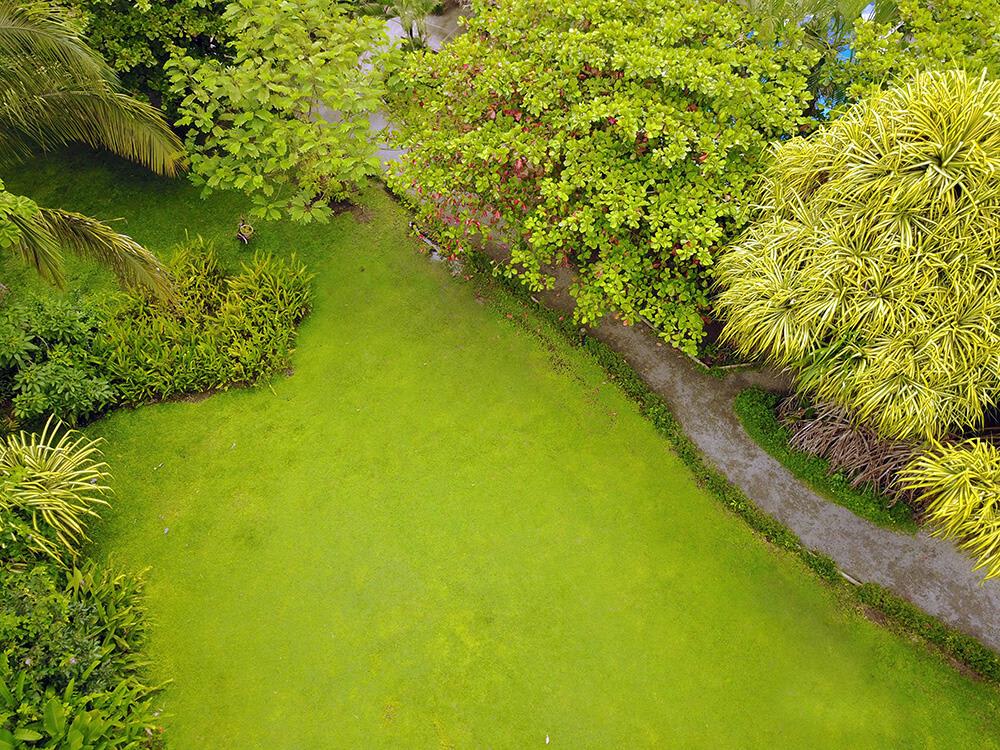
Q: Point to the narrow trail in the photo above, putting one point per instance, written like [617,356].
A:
[928,572]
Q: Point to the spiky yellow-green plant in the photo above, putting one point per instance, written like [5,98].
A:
[874,268]
[960,485]
[50,485]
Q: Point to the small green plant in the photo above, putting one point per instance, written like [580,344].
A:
[71,671]
[960,486]
[51,484]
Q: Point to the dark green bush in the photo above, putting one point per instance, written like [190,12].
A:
[45,363]
[71,674]
[136,38]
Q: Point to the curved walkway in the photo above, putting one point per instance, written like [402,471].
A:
[929,572]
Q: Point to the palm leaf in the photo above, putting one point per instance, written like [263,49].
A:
[134,265]
[55,91]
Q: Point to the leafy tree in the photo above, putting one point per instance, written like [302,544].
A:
[874,268]
[137,37]
[54,90]
[285,120]
[616,137]
[866,45]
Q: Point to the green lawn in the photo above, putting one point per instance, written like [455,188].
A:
[445,531]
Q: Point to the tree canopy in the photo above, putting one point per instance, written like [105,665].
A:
[286,119]
[616,137]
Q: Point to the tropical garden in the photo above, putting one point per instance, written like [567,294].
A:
[293,453]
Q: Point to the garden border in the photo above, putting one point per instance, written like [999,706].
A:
[763,427]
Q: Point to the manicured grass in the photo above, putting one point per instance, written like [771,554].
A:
[447,529]
[756,410]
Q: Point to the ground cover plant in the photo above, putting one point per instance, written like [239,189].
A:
[72,673]
[456,530]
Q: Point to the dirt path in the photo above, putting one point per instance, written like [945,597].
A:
[929,572]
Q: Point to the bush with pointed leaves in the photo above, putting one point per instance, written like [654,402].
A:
[874,266]
[50,486]
[960,486]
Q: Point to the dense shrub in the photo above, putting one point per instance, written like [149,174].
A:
[960,486]
[71,673]
[617,137]
[136,38]
[74,357]
[220,331]
[50,486]
[45,361]
[873,269]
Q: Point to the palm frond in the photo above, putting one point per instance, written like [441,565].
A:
[39,32]
[134,265]
[55,91]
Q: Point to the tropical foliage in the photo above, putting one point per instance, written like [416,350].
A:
[615,137]
[960,486]
[51,484]
[873,268]
[864,45]
[223,329]
[46,362]
[137,38]
[54,90]
[76,356]
[71,673]
[286,119]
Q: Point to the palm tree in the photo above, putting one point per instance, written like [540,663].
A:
[54,90]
